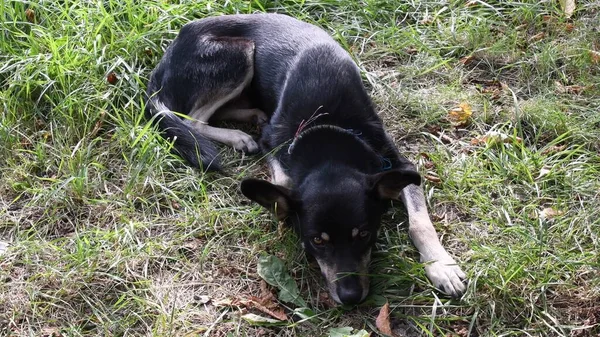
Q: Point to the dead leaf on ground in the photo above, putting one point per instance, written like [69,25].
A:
[495,137]
[112,78]
[411,50]
[569,89]
[226,302]
[383,320]
[326,300]
[50,332]
[427,20]
[30,15]
[434,129]
[492,87]
[569,27]
[98,124]
[265,305]
[459,330]
[568,7]
[537,37]
[595,56]
[460,115]
[554,149]
[438,217]
[467,59]
[432,178]
[445,138]
[550,213]
[548,18]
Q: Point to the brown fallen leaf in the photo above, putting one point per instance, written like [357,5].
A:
[467,59]
[521,27]
[191,246]
[112,78]
[226,302]
[459,331]
[554,149]
[537,37]
[595,56]
[434,129]
[30,15]
[326,300]
[50,332]
[383,320]
[548,18]
[569,27]
[569,89]
[427,20]
[266,306]
[253,302]
[445,138]
[550,213]
[568,7]
[432,178]
[460,115]
[98,124]
[411,50]
[495,137]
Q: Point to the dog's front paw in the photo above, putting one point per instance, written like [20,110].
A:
[447,276]
[242,141]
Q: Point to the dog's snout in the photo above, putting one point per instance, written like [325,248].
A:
[350,290]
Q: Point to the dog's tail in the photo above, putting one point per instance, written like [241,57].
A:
[198,150]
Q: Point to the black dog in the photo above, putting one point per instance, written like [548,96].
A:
[333,167]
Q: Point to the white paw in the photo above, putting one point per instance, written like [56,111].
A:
[242,141]
[446,276]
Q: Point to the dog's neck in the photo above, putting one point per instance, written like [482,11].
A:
[324,145]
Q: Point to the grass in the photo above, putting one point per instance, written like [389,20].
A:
[110,234]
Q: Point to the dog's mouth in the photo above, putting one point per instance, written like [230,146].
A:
[347,285]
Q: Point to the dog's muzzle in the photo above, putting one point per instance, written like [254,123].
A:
[347,285]
[351,289]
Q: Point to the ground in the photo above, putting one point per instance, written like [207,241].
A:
[108,233]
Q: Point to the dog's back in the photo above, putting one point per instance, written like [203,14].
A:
[280,41]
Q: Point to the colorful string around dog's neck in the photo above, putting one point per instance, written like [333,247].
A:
[303,125]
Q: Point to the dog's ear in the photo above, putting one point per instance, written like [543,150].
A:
[275,198]
[389,184]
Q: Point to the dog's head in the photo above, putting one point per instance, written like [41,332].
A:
[337,214]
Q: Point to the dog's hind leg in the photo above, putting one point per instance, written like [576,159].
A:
[227,67]
[241,115]
[440,267]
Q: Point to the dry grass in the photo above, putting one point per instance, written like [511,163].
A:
[110,234]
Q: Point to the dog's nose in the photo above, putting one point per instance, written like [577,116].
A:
[350,291]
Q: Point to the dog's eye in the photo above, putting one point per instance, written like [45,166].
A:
[317,240]
[364,234]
